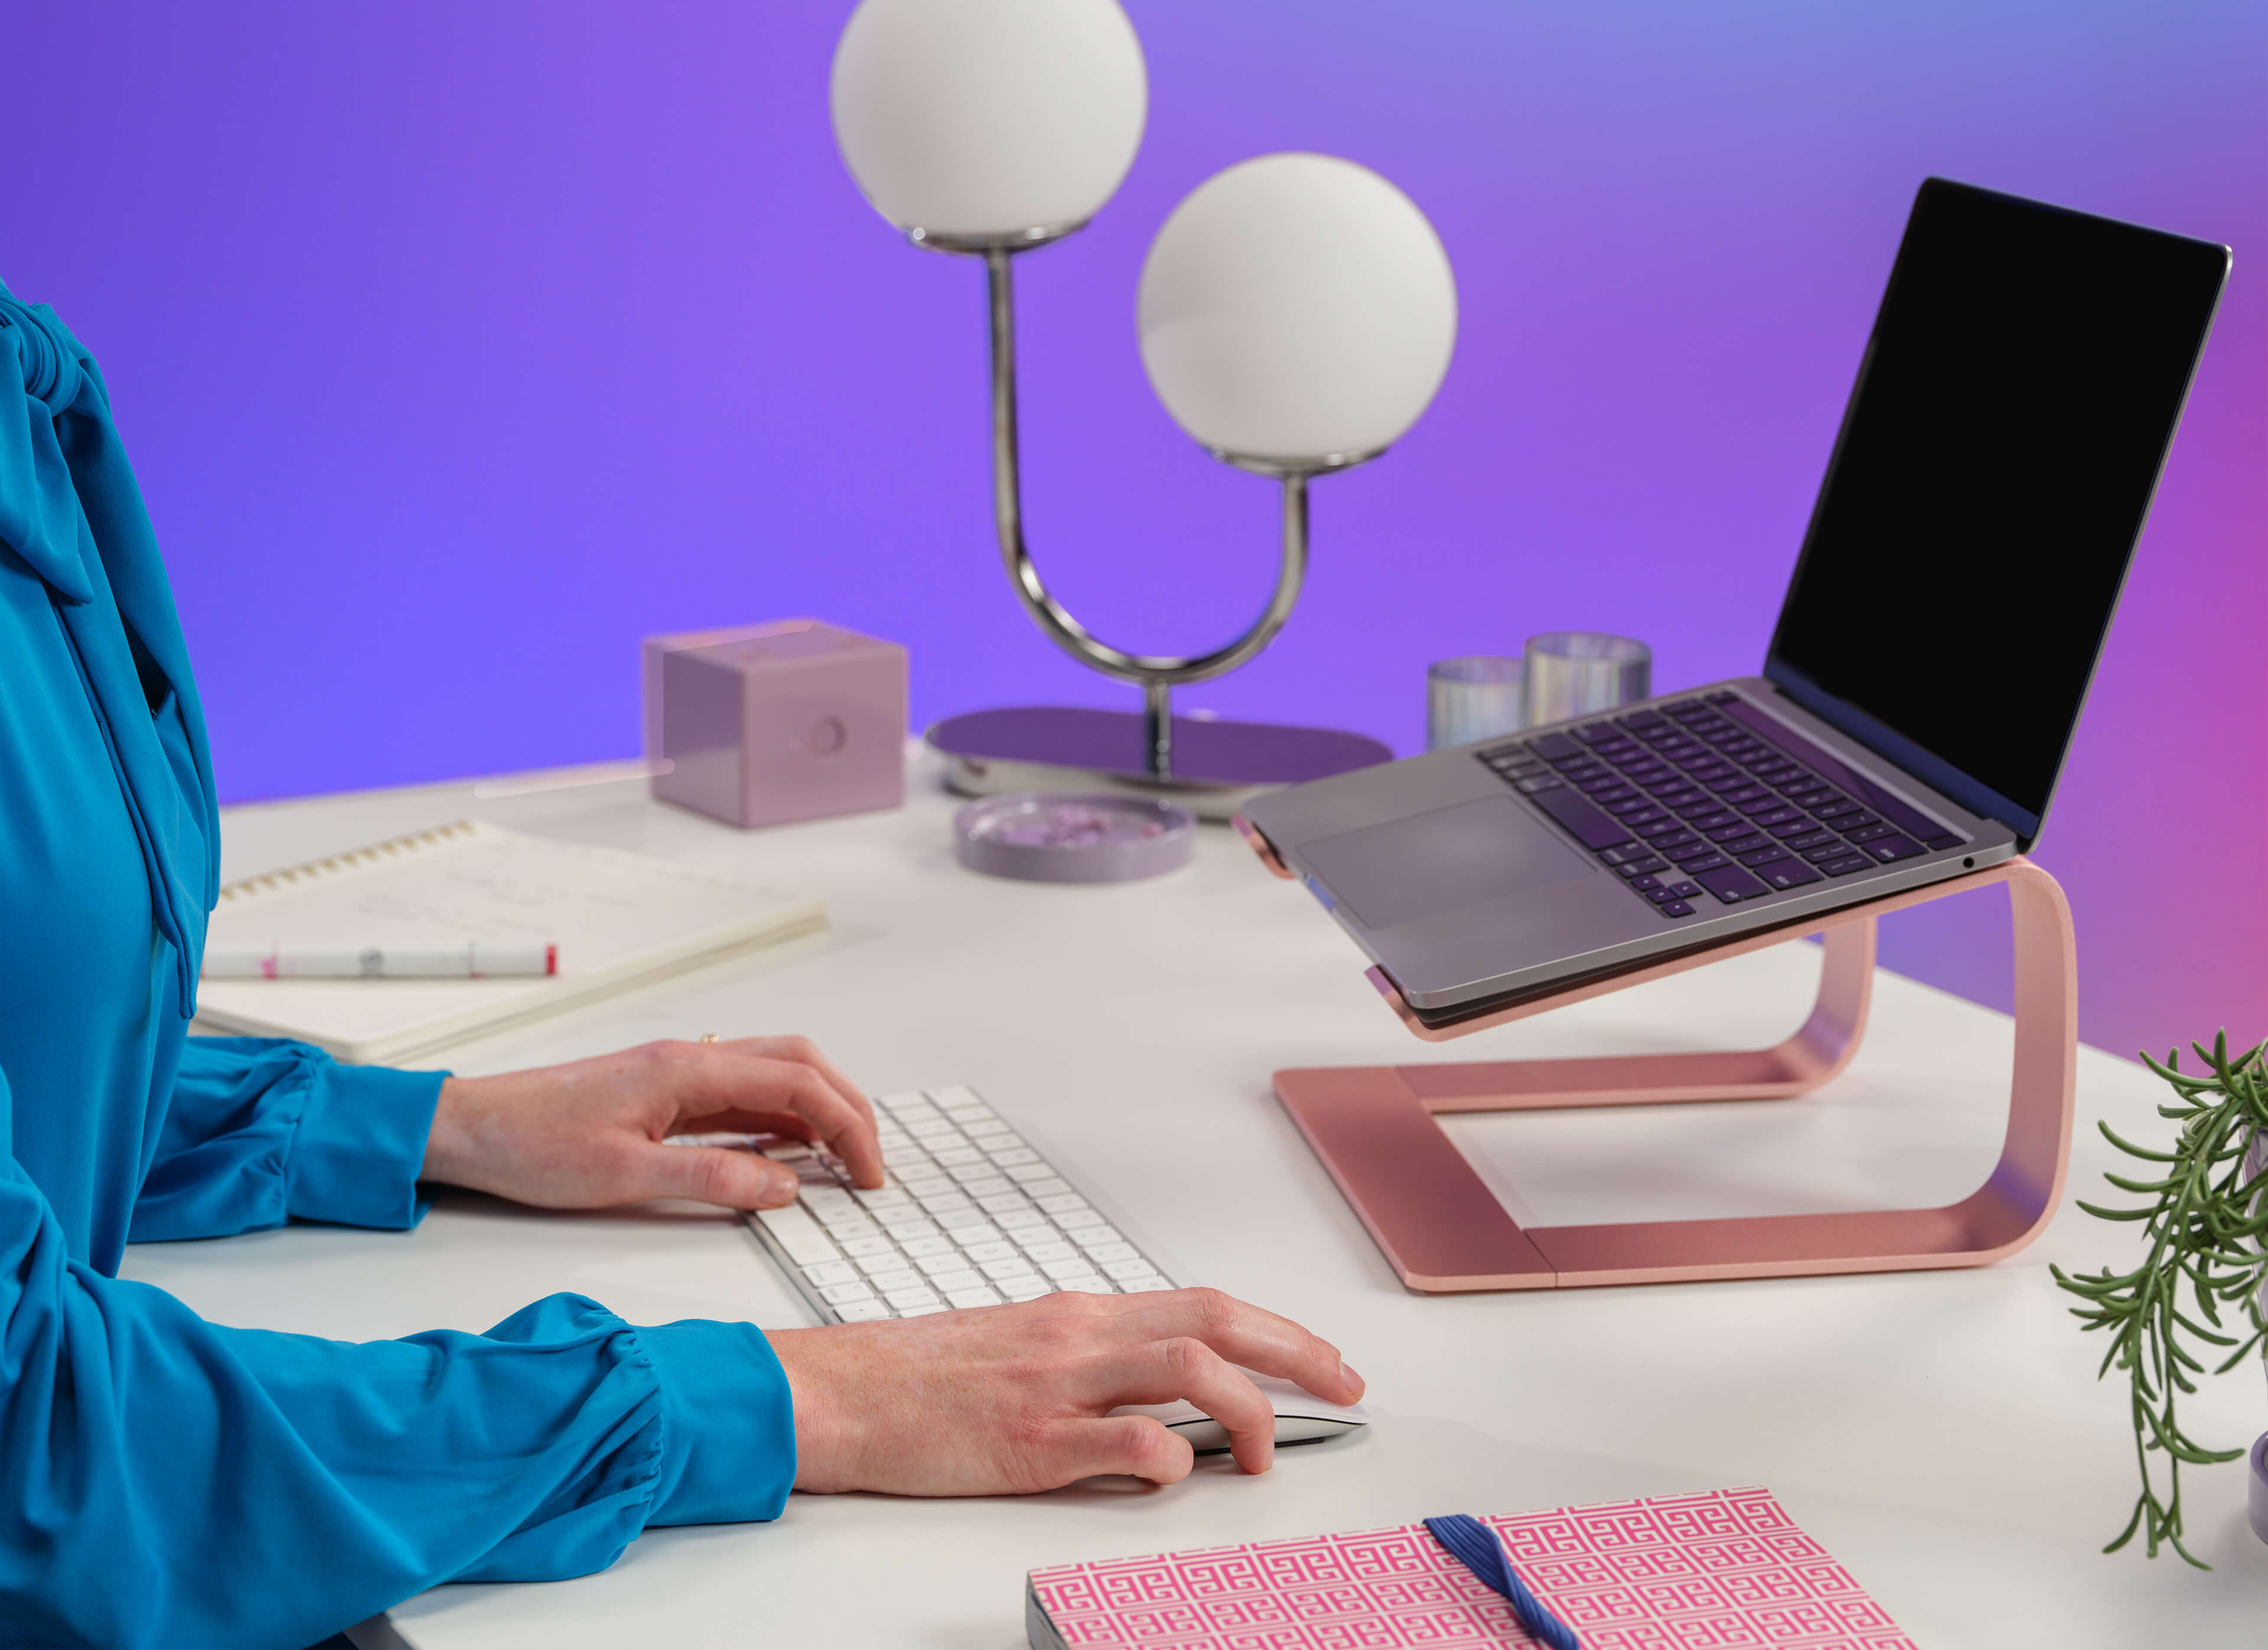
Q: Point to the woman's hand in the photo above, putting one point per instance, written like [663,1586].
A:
[589,1135]
[1004,1400]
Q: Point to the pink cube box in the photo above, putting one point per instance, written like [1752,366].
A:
[763,724]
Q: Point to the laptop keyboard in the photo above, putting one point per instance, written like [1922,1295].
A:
[1686,800]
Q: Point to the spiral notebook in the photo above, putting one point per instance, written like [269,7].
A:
[1727,1568]
[620,920]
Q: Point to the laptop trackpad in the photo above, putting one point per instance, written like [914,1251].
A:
[1410,869]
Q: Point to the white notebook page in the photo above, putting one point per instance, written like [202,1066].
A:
[619,919]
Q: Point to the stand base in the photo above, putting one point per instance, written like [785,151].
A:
[1218,765]
[1442,1229]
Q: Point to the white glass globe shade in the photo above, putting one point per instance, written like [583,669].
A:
[1297,308]
[987,118]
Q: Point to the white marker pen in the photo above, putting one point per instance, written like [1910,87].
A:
[463,959]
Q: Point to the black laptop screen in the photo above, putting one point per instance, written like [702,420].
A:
[2012,412]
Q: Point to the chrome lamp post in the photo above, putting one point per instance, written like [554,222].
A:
[1296,312]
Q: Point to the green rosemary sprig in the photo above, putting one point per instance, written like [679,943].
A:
[2205,1221]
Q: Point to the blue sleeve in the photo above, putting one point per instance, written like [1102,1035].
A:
[259,1131]
[164,1480]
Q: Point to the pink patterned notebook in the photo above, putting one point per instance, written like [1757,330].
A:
[1722,1570]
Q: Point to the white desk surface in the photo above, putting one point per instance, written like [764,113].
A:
[1941,1432]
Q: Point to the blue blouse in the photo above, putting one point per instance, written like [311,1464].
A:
[168,1480]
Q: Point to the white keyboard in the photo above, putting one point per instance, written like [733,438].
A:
[970,1215]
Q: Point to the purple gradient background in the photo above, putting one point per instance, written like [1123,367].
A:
[459,346]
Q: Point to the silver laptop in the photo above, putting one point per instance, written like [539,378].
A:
[2012,413]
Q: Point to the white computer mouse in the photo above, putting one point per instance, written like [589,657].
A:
[1301,1418]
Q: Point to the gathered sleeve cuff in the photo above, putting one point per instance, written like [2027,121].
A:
[728,1423]
[262,1131]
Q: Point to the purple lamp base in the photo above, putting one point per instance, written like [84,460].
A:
[1218,765]
[2256,1500]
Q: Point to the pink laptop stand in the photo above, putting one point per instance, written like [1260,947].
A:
[1443,1230]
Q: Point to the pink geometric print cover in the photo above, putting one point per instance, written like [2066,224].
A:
[1677,1573]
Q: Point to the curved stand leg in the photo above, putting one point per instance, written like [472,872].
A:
[1442,1229]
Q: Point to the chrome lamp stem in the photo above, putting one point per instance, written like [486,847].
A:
[1156,674]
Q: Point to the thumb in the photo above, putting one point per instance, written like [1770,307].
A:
[1139,1446]
[715,1174]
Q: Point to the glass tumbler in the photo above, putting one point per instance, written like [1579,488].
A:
[1470,699]
[1580,673]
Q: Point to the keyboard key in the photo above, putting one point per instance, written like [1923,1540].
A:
[1020,1216]
[1732,832]
[1721,696]
[1588,826]
[1810,836]
[907,1300]
[1748,842]
[1027,1288]
[924,1246]
[1005,1273]
[961,1222]
[1686,891]
[1597,732]
[963,1299]
[950,1284]
[1540,783]
[1762,855]
[1850,820]
[1107,1255]
[1833,847]
[1078,1217]
[953,1157]
[1063,1203]
[951,1260]
[1778,815]
[1706,862]
[843,1294]
[1120,1270]
[885,1283]
[827,1272]
[1890,850]
[1040,1191]
[861,1311]
[1071,1265]
[988,1185]
[863,1247]
[1660,895]
[1554,747]
[1638,818]
[1092,1284]
[1746,795]
[944,1202]
[1845,866]
[1004,1204]
[1944,839]
[1639,802]
[1867,833]
[1675,908]
[1788,829]
[1050,1248]
[1646,885]
[1089,1238]
[1646,866]
[1729,883]
[799,1234]
[1788,873]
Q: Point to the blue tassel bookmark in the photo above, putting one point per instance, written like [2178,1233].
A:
[1475,1545]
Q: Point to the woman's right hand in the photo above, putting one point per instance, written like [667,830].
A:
[1011,1399]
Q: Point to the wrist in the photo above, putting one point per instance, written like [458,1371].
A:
[452,1145]
[826,1445]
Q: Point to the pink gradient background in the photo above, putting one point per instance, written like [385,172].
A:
[458,347]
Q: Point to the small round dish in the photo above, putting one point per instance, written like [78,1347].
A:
[1058,836]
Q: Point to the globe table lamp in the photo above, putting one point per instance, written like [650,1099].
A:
[1296,315]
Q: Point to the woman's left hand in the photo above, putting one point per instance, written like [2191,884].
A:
[589,1135]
